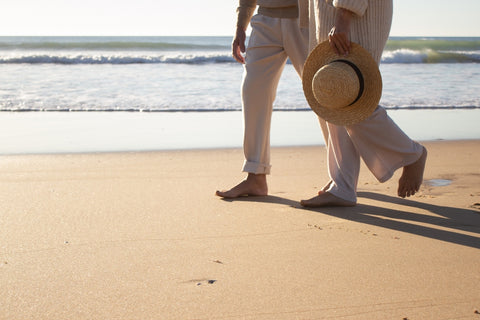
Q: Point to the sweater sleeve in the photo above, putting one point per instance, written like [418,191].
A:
[356,6]
[245,11]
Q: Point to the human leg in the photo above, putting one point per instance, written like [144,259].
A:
[382,145]
[262,74]
[385,148]
[264,63]
[265,59]
[295,42]
[296,46]
[343,168]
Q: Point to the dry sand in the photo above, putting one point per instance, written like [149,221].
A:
[142,236]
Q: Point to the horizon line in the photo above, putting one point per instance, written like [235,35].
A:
[205,35]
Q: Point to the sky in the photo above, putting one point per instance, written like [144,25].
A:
[206,17]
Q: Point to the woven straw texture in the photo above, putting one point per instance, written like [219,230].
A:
[365,105]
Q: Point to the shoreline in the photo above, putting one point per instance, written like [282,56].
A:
[87,132]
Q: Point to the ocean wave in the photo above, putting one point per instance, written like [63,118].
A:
[398,56]
[404,56]
[203,50]
[430,56]
[116,59]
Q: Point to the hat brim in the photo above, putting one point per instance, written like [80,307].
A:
[323,54]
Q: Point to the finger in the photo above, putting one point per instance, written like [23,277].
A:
[346,46]
[242,47]
[241,59]
[339,42]
[238,56]
[349,46]
[339,48]
[343,48]
[342,44]
[331,41]
[236,52]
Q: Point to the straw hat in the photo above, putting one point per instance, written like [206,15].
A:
[342,90]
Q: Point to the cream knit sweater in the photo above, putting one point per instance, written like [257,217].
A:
[271,8]
[370,26]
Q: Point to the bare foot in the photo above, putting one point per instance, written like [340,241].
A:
[412,176]
[326,199]
[253,185]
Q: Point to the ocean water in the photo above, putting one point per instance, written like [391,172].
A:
[199,74]
[187,75]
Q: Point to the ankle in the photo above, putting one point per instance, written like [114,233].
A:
[258,178]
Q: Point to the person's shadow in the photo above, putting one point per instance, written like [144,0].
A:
[445,225]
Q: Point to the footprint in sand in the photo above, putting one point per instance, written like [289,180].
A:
[199,282]
[207,281]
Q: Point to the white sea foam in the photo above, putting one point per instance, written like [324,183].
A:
[404,56]
[114,58]
[400,56]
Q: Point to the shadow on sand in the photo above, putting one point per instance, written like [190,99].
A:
[458,221]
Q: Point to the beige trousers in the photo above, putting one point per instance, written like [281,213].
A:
[382,145]
[271,42]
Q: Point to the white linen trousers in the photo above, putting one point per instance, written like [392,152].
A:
[271,42]
[382,145]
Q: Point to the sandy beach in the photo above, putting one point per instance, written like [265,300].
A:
[140,235]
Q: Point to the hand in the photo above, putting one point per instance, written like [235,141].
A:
[238,45]
[339,35]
